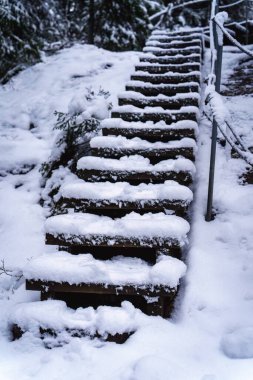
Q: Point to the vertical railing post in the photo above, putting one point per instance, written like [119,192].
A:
[218,65]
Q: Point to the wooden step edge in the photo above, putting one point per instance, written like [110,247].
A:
[154,155]
[133,177]
[112,241]
[165,104]
[178,206]
[17,332]
[152,134]
[141,290]
[167,118]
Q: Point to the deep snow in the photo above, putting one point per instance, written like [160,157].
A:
[210,336]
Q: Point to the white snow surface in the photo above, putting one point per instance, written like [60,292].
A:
[139,96]
[136,143]
[83,268]
[153,110]
[57,316]
[210,334]
[132,225]
[134,163]
[119,123]
[123,191]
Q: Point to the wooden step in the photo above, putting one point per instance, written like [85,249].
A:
[131,113]
[82,278]
[166,38]
[176,44]
[135,170]
[55,323]
[159,68]
[177,33]
[85,271]
[159,52]
[119,146]
[96,295]
[166,102]
[133,230]
[170,78]
[148,89]
[117,199]
[171,60]
[150,131]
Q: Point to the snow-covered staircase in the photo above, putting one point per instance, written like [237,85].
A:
[122,225]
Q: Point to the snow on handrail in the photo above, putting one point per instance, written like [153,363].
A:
[231,38]
[247,156]
[231,5]
[220,114]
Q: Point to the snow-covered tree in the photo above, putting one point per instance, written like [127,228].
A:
[119,25]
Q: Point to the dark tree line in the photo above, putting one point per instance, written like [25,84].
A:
[28,27]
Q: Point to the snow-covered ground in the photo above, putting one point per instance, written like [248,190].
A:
[211,334]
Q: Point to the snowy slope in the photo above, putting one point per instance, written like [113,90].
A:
[210,336]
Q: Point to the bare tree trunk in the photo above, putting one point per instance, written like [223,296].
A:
[91,22]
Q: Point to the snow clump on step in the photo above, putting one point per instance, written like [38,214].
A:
[132,225]
[135,163]
[84,268]
[56,316]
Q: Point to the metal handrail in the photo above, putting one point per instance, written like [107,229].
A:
[231,5]
[242,153]
[232,39]
[217,51]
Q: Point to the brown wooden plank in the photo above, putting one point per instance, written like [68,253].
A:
[168,90]
[141,290]
[162,69]
[167,38]
[154,155]
[168,118]
[176,44]
[152,134]
[133,177]
[172,59]
[166,79]
[173,52]
[112,241]
[167,104]
[119,208]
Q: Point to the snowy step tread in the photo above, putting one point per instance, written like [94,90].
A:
[61,267]
[123,191]
[104,196]
[118,146]
[156,68]
[167,78]
[53,316]
[176,59]
[149,89]
[135,169]
[174,44]
[155,114]
[149,130]
[166,102]
[83,229]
